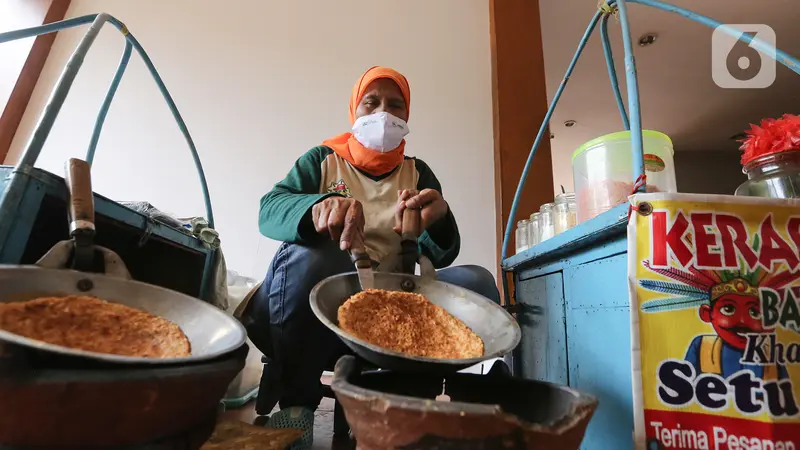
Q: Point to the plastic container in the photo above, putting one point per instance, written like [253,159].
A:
[523,243]
[565,212]
[546,223]
[534,230]
[602,170]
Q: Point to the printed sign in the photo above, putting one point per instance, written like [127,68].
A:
[715,292]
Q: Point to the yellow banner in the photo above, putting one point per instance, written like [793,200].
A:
[715,283]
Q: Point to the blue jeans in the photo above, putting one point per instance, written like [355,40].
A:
[302,348]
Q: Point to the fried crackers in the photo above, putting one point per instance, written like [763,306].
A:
[408,323]
[90,324]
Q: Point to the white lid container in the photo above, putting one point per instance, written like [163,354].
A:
[602,170]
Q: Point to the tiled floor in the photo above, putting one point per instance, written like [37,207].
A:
[323,422]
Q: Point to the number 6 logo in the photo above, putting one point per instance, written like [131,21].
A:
[743,65]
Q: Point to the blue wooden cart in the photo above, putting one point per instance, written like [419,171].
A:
[571,291]
[33,203]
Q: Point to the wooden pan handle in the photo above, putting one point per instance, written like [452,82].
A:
[412,222]
[360,258]
[409,249]
[81,200]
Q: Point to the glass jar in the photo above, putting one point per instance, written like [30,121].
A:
[772,176]
[534,229]
[573,210]
[546,222]
[523,243]
[565,212]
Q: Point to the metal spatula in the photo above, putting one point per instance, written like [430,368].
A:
[363,263]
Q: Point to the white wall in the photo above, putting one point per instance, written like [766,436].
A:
[16,14]
[259,83]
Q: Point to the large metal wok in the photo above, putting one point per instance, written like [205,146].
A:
[498,330]
[211,332]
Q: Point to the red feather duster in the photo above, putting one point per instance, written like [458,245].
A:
[773,136]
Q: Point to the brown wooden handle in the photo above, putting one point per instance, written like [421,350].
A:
[412,224]
[361,260]
[359,255]
[358,252]
[81,200]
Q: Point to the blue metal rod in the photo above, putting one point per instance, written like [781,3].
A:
[510,226]
[32,152]
[15,188]
[59,94]
[632,83]
[181,125]
[780,56]
[112,90]
[45,29]
[768,49]
[612,71]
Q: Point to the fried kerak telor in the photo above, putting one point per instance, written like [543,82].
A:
[91,324]
[408,323]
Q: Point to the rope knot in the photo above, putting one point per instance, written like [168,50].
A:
[608,10]
[605,8]
[640,181]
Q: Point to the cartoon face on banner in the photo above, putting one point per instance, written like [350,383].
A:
[733,317]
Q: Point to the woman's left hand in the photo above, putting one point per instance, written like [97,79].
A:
[429,201]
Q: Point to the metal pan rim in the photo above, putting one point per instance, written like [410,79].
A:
[202,306]
[461,363]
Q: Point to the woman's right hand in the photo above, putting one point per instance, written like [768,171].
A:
[341,218]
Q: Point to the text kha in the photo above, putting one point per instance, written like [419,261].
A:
[689,439]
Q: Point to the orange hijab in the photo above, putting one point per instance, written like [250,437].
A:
[348,147]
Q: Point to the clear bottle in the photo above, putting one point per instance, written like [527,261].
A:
[523,243]
[565,212]
[772,176]
[546,222]
[534,229]
[573,211]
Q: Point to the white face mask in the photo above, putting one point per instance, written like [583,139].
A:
[381,131]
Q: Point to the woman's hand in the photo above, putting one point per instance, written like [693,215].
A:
[430,201]
[341,218]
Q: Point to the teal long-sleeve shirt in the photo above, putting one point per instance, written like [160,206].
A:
[285,211]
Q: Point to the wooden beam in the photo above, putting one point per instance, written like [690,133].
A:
[520,104]
[29,75]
